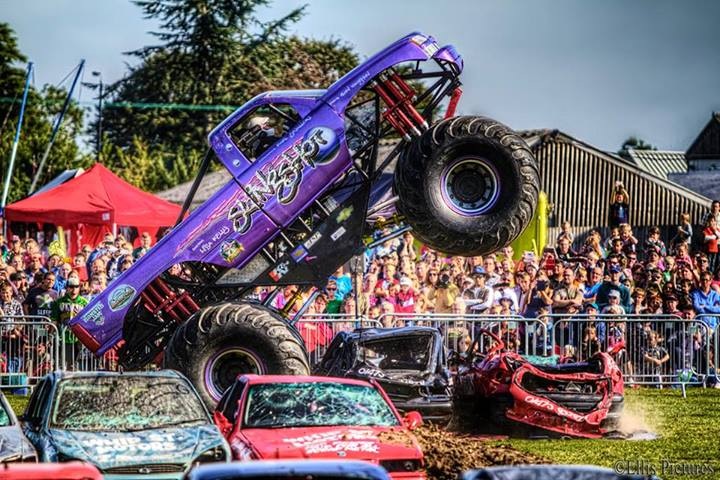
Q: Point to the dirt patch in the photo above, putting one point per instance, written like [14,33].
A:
[447,453]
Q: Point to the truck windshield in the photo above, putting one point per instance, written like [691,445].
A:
[125,403]
[410,352]
[315,405]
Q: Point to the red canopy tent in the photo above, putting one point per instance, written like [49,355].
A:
[94,203]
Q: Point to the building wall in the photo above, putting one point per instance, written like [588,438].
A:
[579,181]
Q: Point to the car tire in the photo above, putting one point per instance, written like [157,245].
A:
[222,341]
[468,186]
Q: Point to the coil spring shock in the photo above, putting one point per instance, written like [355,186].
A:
[159,297]
[400,113]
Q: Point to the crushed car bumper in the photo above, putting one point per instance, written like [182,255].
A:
[434,409]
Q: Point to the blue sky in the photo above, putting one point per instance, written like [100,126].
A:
[600,71]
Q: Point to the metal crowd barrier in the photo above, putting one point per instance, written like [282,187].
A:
[649,349]
[526,336]
[29,349]
[318,330]
[684,351]
[76,357]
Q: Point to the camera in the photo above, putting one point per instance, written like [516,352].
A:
[443,281]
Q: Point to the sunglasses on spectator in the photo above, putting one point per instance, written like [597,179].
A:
[331,289]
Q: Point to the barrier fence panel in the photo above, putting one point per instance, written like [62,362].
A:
[713,343]
[527,336]
[29,349]
[649,349]
[74,356]
[318,330]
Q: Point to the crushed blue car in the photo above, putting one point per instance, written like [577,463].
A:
[138,424]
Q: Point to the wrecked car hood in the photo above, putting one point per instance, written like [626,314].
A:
[13,444]
[115,449]
[366,443]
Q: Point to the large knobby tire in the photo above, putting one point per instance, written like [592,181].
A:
[468,186]
[221,341]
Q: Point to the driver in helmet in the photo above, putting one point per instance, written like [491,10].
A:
[263,134]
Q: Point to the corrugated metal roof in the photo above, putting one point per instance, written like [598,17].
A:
[706,183]
[659,162]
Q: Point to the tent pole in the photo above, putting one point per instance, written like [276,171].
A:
[15,142]
[56,127]
[114,230]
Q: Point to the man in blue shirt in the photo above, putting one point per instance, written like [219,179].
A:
[601,298]
[706,301]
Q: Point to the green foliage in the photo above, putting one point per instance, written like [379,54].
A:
[634,143]
[149,169]
[212,52]
[42,107]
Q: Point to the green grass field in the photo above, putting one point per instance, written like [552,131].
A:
[689,430]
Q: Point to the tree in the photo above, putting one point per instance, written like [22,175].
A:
[634,143]
[212,52]
[42,107]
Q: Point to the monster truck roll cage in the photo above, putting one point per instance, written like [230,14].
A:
[325,235]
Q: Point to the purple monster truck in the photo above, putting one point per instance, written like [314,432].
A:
[303,164]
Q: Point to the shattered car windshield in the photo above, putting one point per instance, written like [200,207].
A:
[314,405]
[396,353]
[125,403]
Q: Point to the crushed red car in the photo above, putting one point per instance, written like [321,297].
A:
[294,417]
[582,399]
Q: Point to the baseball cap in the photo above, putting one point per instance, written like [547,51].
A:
[507,298]
[615,268]
[591,305]
[73,282]
[614,293]
[406,281]
[479,271]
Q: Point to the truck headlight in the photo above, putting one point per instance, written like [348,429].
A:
[216,454]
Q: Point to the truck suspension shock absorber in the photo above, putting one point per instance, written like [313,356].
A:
[159,297]
[398,96]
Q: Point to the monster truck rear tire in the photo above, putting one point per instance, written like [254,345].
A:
[468,186]
[221,341]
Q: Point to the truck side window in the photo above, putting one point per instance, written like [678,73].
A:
[261,128]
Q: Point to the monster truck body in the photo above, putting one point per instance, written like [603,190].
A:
[295,210]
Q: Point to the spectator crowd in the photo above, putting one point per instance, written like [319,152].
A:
[603,282]
[41,284]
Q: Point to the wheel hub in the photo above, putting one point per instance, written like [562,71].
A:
[224,367]
[470,186]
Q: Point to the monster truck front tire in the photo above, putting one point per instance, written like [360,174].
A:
[468,186]
[221,341]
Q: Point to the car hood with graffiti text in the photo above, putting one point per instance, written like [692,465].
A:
[408,362]
[111,451]
[364,443]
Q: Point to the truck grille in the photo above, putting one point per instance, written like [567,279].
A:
[149,469]
[409,465]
